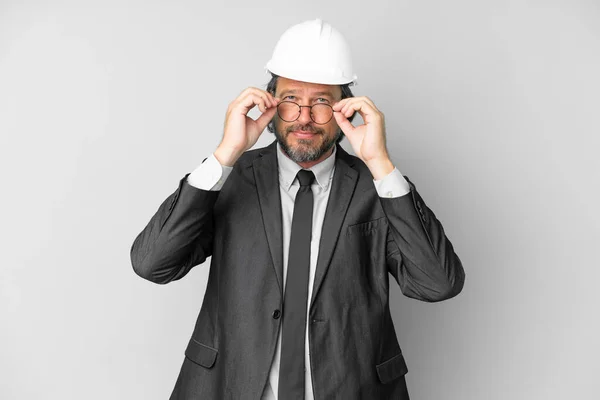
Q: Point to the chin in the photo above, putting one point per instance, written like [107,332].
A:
[305,145]
[302,149]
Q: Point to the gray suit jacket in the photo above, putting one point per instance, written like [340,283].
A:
[353,345]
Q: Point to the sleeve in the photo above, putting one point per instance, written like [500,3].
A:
[178,237]
[419,254]
[210,175]
[392,185]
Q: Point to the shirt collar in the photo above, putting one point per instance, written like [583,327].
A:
[288,170]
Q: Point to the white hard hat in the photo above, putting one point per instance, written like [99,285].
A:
[313,51]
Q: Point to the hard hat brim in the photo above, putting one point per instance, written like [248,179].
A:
[305,76]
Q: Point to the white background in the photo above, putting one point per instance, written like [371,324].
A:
[492,109]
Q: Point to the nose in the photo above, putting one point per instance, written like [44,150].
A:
[304,117]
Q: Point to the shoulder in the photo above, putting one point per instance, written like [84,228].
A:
[247,160]
[249,156]
[354,162]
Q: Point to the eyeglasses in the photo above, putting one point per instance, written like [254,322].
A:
[319,113]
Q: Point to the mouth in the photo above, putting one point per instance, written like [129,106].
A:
[304,134]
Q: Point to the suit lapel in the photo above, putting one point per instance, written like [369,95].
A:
[267,186]
[342,189]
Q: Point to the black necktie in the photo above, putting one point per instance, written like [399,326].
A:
[291,369]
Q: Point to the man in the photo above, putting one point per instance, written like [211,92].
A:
[303,237]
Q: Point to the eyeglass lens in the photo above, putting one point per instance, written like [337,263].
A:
[290,112]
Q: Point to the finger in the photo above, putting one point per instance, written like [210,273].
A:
[265,118]
[366,110]
[242,99]
[268,97]
[370,102]
[248,92]
[252,91]
[338,106]
[262,101]
[358,99]
[350,104]
[272,100]
[348,108]
[247,103]
[344,124]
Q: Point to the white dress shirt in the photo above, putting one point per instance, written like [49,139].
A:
[211,175]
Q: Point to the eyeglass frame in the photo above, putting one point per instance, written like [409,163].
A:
[310,113]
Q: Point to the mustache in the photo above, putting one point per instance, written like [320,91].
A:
[306,128]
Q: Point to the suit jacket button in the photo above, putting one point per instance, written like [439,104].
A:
[276,314]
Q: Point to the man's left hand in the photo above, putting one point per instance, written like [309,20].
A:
[367,140]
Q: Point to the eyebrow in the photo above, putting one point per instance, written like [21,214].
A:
[322,93]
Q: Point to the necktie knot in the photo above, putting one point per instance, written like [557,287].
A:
[305,177]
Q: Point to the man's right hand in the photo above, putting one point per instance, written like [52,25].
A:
[242,132]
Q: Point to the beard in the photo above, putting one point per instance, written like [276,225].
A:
[306,150]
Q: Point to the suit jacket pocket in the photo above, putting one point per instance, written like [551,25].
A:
[391,369]
[365,228]
[201,354]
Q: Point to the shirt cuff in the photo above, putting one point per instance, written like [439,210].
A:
[210,175]
[392,185]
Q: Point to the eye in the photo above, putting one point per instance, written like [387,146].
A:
[322,100]
[290,97]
